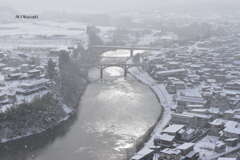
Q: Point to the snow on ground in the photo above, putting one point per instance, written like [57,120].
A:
[42,28]
[42,34]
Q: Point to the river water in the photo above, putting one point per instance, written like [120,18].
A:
[113,114]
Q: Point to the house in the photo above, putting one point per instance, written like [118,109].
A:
[33,86]
[2,65]
[34,73]
[236,117]
[232,129]
[173,129]
[179,84]
[233,85]
[3,98]
[195,106]
[164,140]
[216,126]
[179,108]
[215,112]
[24,67]
[185,148]
[13,76]
[170,154]
[192,156]
[200,111]
[231,141]
[192,119]
[187,134]
[143,154]
[8,70]
[228,114]
[181,118]
[186,100]
[220,147]
[168,73]
[226,158]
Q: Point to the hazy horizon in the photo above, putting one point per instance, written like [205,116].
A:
[31,6]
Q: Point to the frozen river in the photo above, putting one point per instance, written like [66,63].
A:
[113,114]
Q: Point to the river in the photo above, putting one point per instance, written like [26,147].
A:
[113,114]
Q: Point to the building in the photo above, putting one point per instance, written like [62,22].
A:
[170,154]
[231,141]
[234,85]
[215,127]
[192,119]
[164,140]
[34,73]
[188,100]
[227,158]
[187,134]
[172,73]
[186,148]
[33,86]
[173,129]
[231,130]
[3,98]
[220,147]
[13,76]
[143,154]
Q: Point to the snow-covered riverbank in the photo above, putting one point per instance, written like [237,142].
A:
[165,101]
[69,113]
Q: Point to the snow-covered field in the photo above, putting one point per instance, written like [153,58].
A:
[42,34]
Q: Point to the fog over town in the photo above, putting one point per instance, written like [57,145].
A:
[117,5]
[120,80]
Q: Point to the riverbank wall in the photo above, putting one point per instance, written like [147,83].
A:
[164,118]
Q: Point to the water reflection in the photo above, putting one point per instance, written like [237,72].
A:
[114,71]
[112,115]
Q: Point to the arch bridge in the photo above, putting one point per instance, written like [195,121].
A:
[124,66]
[115,62]
[119,61]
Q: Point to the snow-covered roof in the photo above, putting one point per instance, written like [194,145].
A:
[225,158]
[214,110]
[35,82]
[170,72]
[166,137]
[191,99]
[173,128]
[185,146]
[195,106]
[34,71]
[220,143]
[232,127]
[204,116]
[170,151]
[217,122]
[203,110]
[142,153]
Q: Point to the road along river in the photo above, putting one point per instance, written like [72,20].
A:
[113,114]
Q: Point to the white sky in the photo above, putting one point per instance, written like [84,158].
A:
[109,5]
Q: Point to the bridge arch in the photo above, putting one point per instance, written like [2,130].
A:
[125,68]
[122,66]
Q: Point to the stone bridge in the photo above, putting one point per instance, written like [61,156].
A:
[131,48]
[115,62]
